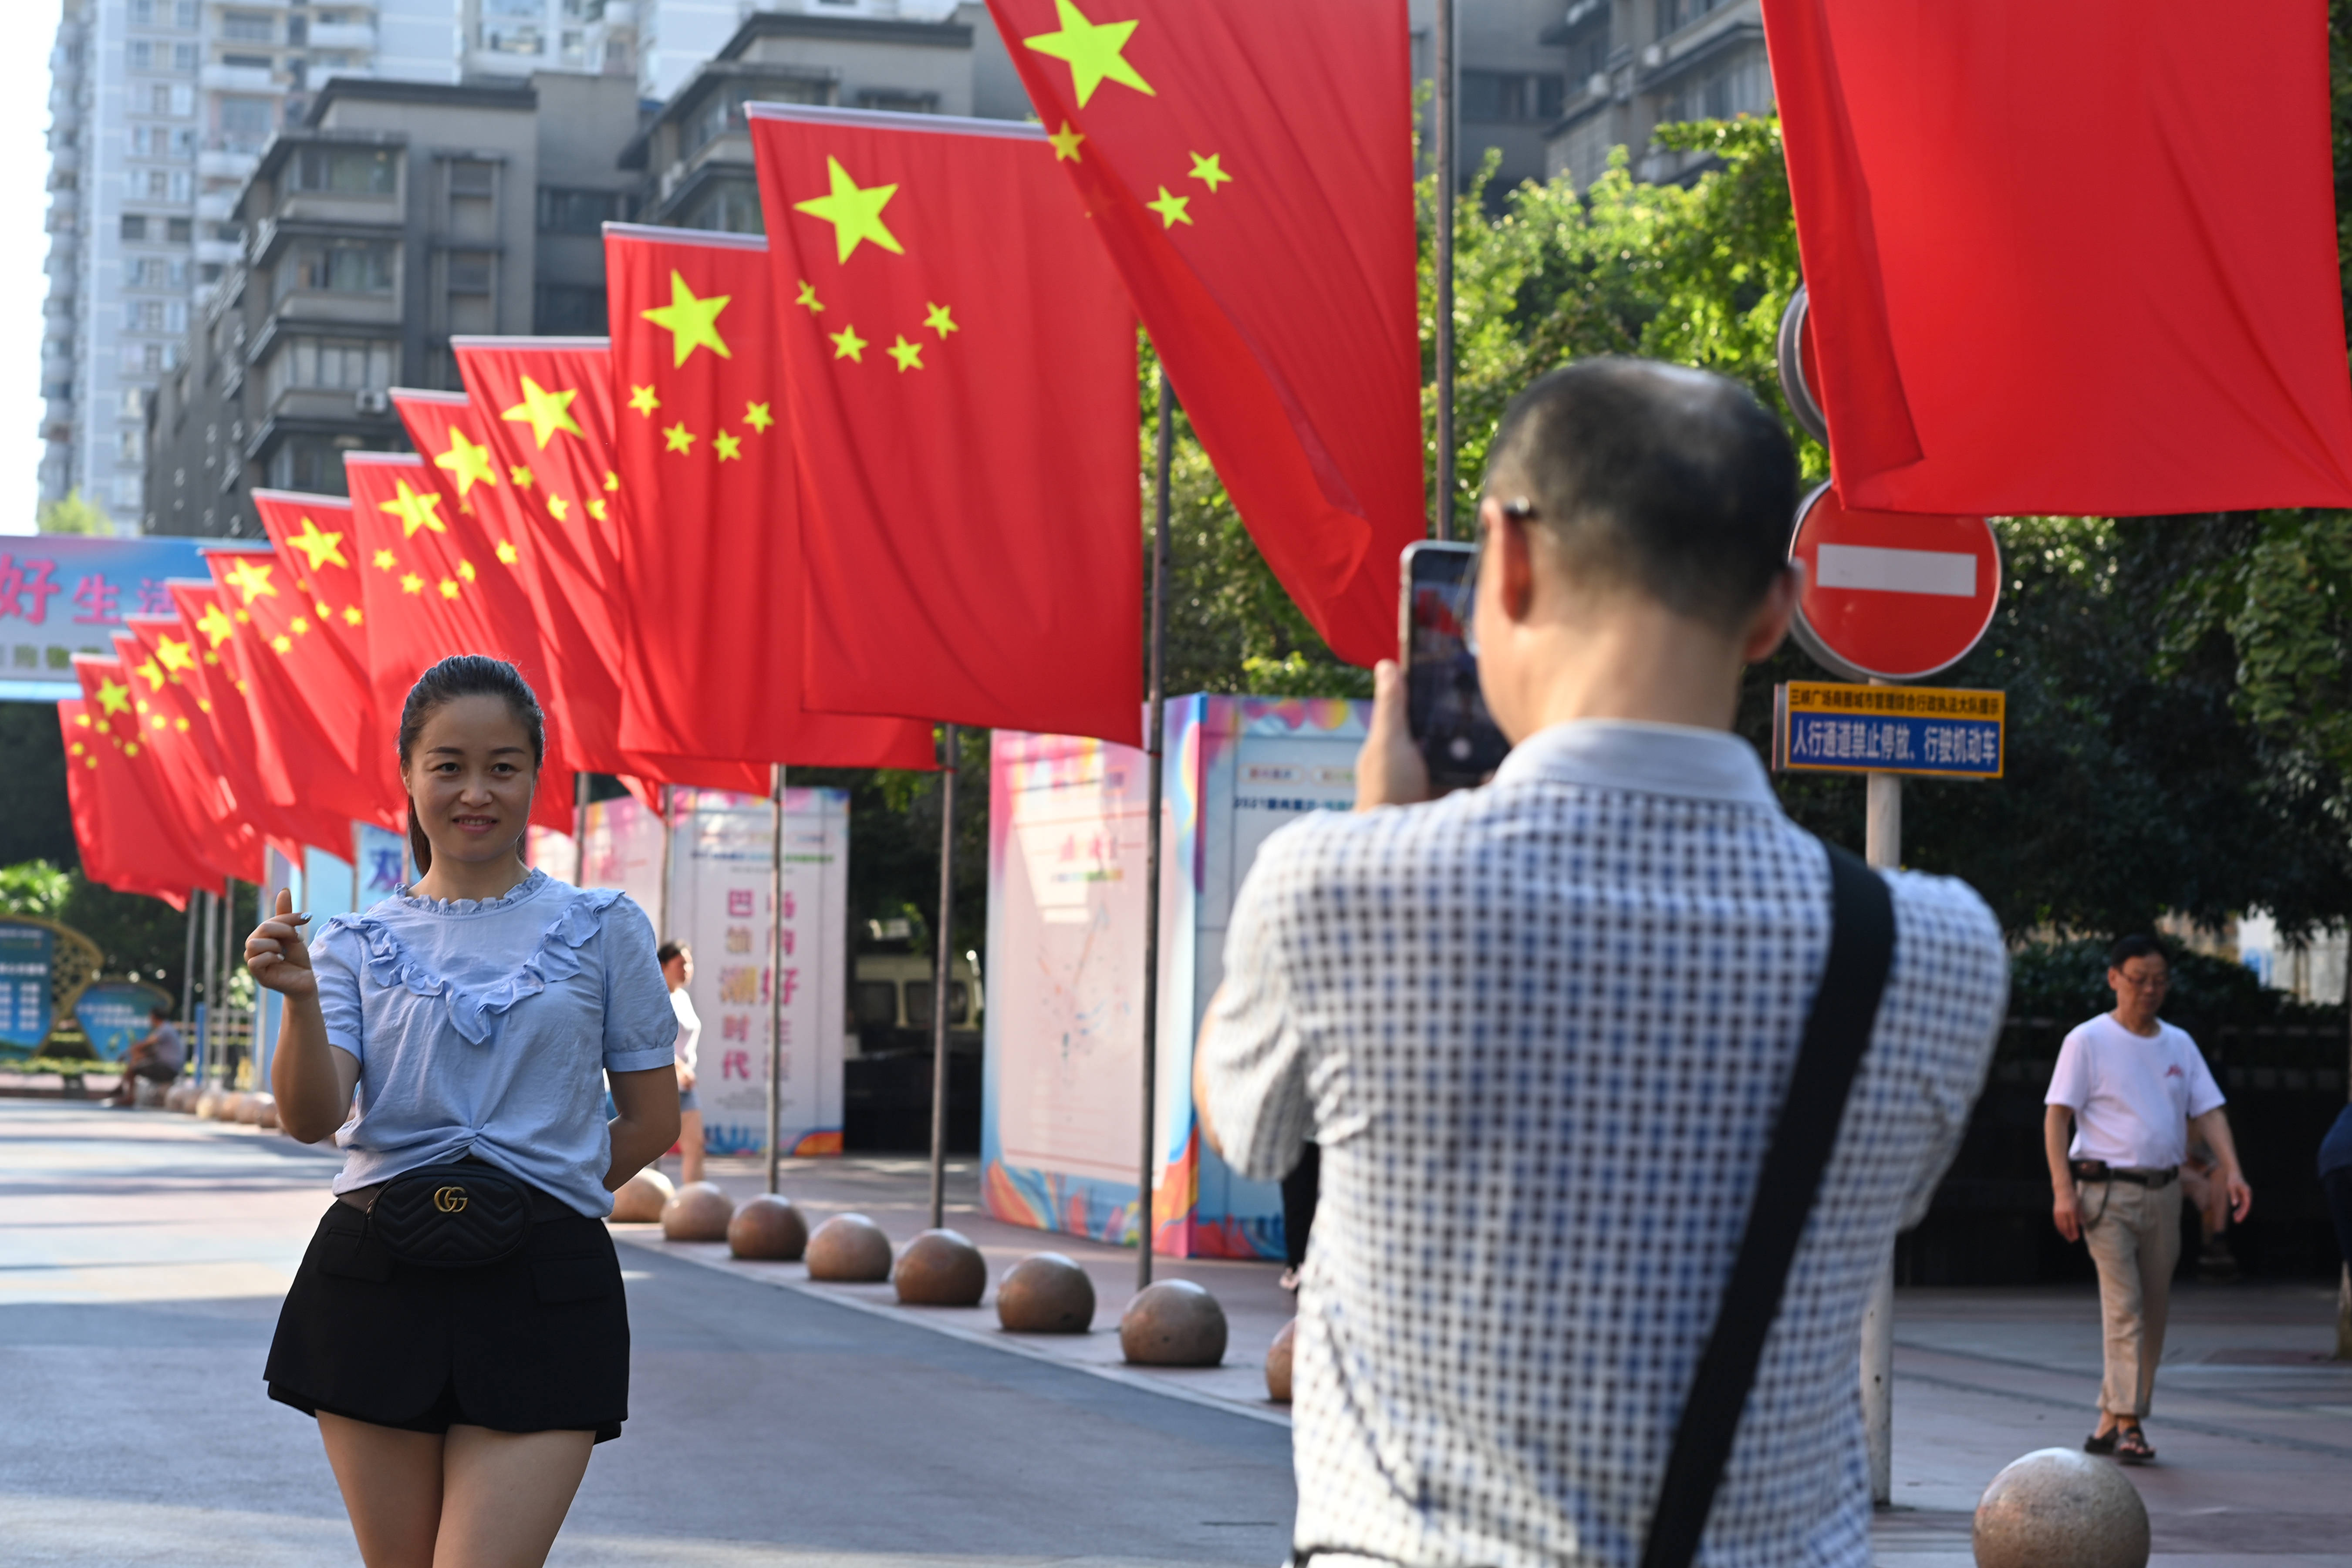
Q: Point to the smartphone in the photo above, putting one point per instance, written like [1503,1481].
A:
[1448,712]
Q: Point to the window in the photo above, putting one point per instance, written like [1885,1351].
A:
[142,55]
[144,272]
[244,123]
[333,364]
[473,177]
[298,29]
[1588,46]
[722,111]
[312,463]
[134,226]
[512,28]
[336,266]
[183,13]
[182,186]
[183,57]
[143,13]
[470,271]
[346,171]
[565,211]
[899,102]
[177,230]
[1512,97]
[1674,13]
[184,141]
[249,62]
[730,207]
[918,1002]
[877,1002]
[568,311]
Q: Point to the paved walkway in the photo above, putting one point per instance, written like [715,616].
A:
[141,1256]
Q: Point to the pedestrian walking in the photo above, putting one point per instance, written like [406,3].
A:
[677,973]
[1544,1031]
[457,1325]
[2133,1089]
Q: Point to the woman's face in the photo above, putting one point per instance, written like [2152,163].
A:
[471,776]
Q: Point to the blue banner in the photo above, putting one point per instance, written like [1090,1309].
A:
[1937,732]
[116,1015]
[27,952]
[64,593]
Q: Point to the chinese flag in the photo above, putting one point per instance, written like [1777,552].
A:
[178,739]
[715,603]
[298,763]
[121,838]
[546,408]
[1250,167]
[2003,328]
[959,365]
[174,837]
[429,588]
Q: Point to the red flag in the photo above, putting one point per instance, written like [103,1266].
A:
[1999,330]
[1250,167]
[546,408]
[959,368]
[171,840]
[429,588]
[120,838]
[178,737]
[715,605]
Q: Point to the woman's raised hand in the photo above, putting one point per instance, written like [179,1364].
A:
[276,955]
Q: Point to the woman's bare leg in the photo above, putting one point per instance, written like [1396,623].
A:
[689,1144]
[504,1495]
[392,1489]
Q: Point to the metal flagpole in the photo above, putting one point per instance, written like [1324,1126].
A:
[1881,847]
[579,830]
[212,987]
[188,967]
[669,834]
[1153,722]
[1447,157]
[776,990]
[222,941]
[942,969]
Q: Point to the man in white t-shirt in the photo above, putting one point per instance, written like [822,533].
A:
[678,971]
[2133,1085]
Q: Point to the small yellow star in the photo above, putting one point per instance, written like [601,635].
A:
[679,439]
[282,643]
[726,446]
[757,416]
[941,321]
[1170,208]
[466,570]
[410,582]
[520,476]
[908,355]
[449,589]
[351,616]
[643,400]
[468,461]
[130,748]
[1066,143]
[596,508]
[808,298]
[855,214]
[847,344]
[384,560]
[545,412]
[558,507]
[1211,171]
[1092,51]
[612,482]
[324,608]
[508,554]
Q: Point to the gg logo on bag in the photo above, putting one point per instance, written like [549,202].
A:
[449,1200]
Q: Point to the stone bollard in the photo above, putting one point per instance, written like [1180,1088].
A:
[149,1095]
[268,1121]
[252,1107]
[1277,1364]
[1172,1323]
[768,1228]
[1046,1293]
[209,1102]
[640,1198]
[2058,1508]
[940,1268]
[849,1250]
[698,1211]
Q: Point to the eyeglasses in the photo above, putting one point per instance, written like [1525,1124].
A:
[2160,981]
[1518,509]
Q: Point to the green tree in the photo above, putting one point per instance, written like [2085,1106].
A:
[73,515]
[34,888]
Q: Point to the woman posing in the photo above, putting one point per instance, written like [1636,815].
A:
[457,1325]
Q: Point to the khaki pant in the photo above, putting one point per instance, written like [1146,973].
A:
[2134,1235]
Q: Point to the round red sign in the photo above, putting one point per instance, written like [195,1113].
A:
[1892,596]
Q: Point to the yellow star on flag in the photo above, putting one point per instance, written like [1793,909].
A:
[282,643]
[410,582]
[467,462]
[251,578]
[643,400]
[855,214]
[301,626]
[112,697]
[415,510]
[520,476]
[941,321]
[152,673]
[351,614]
[384,561]
[320,547]
[691,323]
[808,298]
[612,482]
[847,344]
[757,416]
[215,627]
[596,508]
[558,507]
[176,655]
[726,446]
[908,355]
[322,607]
[448,586]
[1066,143]
[1211,171]
[508,554]
[678,438]
[1092,51]
[466,569]
[545,412]
[1170,208]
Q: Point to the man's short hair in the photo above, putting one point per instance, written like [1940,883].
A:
[668,951]
[159,1010]
[1672,481]
[2139,945]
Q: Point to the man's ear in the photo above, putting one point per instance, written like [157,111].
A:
[1768,625]
[1510,555]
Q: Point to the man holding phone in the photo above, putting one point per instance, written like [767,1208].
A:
[1541,1029]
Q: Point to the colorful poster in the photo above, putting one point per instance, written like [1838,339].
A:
[27,952]
[625,851]
[62,594]
[116,1015]
[381,867]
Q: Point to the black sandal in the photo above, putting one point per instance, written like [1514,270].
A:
[2101,1442]
[2131,1446]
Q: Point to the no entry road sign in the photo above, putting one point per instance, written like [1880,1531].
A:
[1892,596]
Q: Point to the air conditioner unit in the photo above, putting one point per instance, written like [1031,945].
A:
[371,401]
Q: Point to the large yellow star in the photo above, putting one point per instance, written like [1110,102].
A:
[545,412]
[726,446]
[642,399]
[320,547]
[112,697]
[908,355]
[251,578]
[691,323]
[855,214]
[1091,50]
[941,321]
[757,416]
[415,510]
[176,655]
[1211,171]
[679,439]
[847,344]
[1170,208]
[467,462]
[1066,143]
[216,627]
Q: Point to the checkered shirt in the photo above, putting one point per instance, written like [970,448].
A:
[1542,1030]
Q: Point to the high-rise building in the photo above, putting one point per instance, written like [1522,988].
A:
[1635,65]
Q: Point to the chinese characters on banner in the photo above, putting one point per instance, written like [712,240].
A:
[27,952]
[64,593]
[1824,727]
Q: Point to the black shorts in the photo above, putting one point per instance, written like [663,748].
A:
[536,1342]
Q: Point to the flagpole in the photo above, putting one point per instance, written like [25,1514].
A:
[1154,724]
[942,969]
[1447,194]
[669,831]
[776,990]
[579,830]
[188,972]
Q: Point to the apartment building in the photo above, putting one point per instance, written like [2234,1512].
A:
[1635,65]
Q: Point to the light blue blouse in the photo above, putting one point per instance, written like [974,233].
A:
[485,1027]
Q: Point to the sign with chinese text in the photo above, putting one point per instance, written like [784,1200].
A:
[117,1013]
[62,594]
[1821,727]
[26,953]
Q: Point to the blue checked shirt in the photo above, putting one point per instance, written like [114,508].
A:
[1540,1030]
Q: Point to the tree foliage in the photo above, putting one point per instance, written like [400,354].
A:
[73,514]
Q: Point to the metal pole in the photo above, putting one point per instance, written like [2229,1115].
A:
[776,991]
[941,969]
[1447,156]
[188,964]
[1153,724]
[1881,847]
[579,830]
[669,833]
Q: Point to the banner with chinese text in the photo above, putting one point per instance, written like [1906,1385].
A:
[62,594]
[1826,727]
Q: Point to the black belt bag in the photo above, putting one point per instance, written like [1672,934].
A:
[457,1215]
[2100,1171]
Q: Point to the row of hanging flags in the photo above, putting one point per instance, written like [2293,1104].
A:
[819,492]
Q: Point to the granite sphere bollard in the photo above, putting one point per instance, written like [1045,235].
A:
[940,1268]
[2058,1508]
[849,1250]
[768,1228]
[149,1095]
[208,1104]
[252,1107]
[1277,1364]
[698,1211]
[1172,1323]
[268,1121]
[1046,1293]
[640,1198]
[231,1103]
[181,1096]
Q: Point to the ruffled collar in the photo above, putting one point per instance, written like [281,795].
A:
[528,889]
[554,955]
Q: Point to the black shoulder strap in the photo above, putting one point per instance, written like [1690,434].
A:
[1837,1032]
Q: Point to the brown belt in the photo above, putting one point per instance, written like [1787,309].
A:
[2100,1171]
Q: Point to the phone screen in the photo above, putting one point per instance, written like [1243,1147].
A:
[1448,711]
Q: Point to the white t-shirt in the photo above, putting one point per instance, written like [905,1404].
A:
[690,1029]
[2132,1096]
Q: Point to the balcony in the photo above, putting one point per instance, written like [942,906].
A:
[330,308]
[63,160]
[225,163]
[342,36]
[238,79]
[215,207]
[226,252]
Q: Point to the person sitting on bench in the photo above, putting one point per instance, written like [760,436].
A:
[156,1055]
